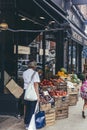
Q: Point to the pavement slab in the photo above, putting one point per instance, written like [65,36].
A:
[73,122]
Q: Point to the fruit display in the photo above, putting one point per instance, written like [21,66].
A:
[75,79]
[56,93]
[63,70]
[54,86]
[62,73]
[46,82]
[70,84]
[45,97]
[52,82]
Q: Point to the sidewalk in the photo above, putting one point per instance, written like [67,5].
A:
[73,122]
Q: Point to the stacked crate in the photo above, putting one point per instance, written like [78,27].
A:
[73,90]
[49,113]
[62,86]
[45,107]
[61,107]
[61,112]
[50,117]
[73,98]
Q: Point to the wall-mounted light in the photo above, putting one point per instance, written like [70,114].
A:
[42,17]
[3,26]
[23,19]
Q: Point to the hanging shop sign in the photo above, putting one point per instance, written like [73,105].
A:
[22,50]
[46,52]
[41,52]
[76,36]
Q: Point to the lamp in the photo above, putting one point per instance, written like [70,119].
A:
[4,26]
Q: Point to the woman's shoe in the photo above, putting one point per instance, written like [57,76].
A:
[83,114]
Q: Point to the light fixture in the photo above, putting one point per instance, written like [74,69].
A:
[4,26]
[23,19]
[42,18]
[51,22]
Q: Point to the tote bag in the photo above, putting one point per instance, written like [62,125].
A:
[32,125]
[40,119]
[30,94]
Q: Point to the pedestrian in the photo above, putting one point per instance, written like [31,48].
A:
[29,106]
[84,96]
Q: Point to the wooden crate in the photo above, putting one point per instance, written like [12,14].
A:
[72,90]
[50,117]
[62,101]
[73,98]
[62,86]
[62,112]
[45,107]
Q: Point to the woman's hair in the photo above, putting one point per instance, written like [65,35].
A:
[32,64]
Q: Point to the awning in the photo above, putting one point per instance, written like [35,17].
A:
[49,9]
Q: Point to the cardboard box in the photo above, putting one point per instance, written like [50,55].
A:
[14,88]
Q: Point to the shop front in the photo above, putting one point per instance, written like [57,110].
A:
[73,51]
[18,36]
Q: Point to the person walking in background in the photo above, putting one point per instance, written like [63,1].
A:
[84,96]
[29,106]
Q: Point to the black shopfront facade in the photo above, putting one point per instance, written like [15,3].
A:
[8,38]
[68,47]
[73,53]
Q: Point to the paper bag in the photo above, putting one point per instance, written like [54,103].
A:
[14,88]
[7,77]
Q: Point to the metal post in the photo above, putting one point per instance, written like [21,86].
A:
[44,47]
[2,60]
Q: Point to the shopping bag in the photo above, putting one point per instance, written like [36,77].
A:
[32,125]
[30,94]
[40,119]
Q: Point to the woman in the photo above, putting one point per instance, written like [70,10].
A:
[84,96]
[30,105]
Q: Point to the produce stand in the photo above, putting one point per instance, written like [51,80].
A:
[57,94]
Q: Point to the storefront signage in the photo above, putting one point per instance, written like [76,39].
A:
[76,36]
[22,50]
[41,52]
[72,17]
